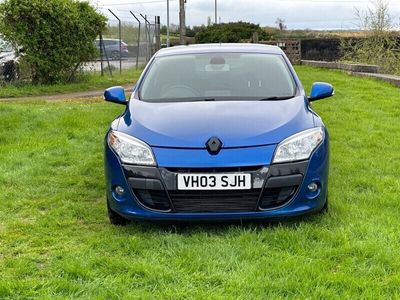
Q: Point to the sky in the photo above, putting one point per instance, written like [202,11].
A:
[298,14]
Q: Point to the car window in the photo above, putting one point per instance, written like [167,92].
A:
[217,76]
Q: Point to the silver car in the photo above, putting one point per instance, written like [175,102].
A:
[112,48]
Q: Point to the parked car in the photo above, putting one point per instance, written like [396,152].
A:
[9,62]
[112,49]
[217,132]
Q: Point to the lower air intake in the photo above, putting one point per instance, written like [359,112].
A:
[277,197]
[215,201]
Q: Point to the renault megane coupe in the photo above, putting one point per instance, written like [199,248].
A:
[217,132]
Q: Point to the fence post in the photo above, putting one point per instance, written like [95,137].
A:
[103,51]
[138,41]
[157,33]
[147,38]
[120,39]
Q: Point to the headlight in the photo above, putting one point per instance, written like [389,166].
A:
[131,150]
[299,146]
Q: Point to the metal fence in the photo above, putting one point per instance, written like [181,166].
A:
[129,41]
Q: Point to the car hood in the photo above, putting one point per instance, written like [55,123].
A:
[235,123]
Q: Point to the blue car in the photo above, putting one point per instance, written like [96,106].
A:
[217,132]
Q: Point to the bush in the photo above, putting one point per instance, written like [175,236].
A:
[229,33]
[56,36]
[381,44]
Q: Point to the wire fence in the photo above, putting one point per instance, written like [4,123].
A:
[129,41]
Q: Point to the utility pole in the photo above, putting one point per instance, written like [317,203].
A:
[216,12]
[168,38]
[182,26]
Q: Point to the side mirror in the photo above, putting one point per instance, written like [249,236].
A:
[115,94]
[321,90]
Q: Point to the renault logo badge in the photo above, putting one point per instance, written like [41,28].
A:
[214,145]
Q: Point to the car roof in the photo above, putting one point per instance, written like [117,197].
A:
[218,48]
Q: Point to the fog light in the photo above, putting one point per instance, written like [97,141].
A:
[119,190]
[312,187]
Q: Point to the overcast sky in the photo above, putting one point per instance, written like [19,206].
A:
[314,14]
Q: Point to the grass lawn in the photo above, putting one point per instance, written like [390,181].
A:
[90,81]
[56,242]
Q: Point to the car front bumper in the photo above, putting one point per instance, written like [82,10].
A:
[278,190]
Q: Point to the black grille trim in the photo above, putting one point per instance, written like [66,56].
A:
[215,201]
[273,198]
[153,199]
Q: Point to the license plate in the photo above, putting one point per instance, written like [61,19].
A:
[214,181]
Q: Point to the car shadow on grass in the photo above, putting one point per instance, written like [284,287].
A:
[222,227]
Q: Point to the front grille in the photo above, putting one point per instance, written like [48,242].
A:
[276,197]
[215,201]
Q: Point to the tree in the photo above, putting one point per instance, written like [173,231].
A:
[376,20]
[229,33]
[381,44]
[57,36]
[281,24]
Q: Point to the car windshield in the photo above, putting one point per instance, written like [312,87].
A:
[218,76]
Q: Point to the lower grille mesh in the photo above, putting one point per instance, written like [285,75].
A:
[215,201]
[276,197]
[153,199]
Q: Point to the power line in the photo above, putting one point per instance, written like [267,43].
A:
[136,3]
[338,1]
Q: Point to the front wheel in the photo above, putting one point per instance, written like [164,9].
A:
[116,219]
[10,72]
[115,55]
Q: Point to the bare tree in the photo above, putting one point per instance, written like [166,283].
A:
[376,19]
[208,21]
[281,24]
[380,46]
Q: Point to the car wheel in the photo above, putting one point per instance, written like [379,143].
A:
[115,55]
[10,73]
[115,218]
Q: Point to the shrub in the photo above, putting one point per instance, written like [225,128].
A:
[56,36]
[381,45]
[229,33]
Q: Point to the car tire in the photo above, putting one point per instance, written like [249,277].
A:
[10,73]
[115,218]
[115,55]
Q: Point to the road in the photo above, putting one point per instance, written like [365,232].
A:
[127,63]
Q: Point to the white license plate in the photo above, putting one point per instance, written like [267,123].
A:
[214,181]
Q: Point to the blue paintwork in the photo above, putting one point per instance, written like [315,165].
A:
[249,130]
[321,90]
[199,158]
[115,94]
[235,123]
[303,203]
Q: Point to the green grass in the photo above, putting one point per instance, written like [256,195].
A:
[88,82]
[56,242]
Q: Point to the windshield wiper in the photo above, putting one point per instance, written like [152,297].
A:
[277,98]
